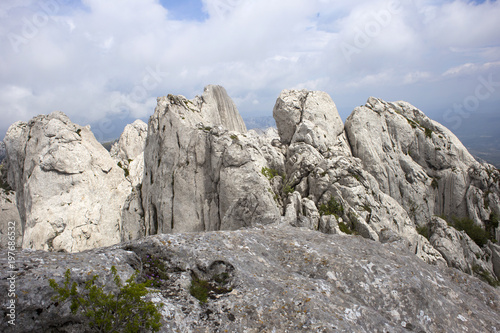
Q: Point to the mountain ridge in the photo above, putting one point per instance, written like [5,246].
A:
[388,174]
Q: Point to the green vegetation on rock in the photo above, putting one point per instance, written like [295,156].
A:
[332,207]
[114,312]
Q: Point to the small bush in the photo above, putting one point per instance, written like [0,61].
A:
[269,173]
[344,228]
[287,189]
[202,289]
[154,271]
[199,289]
[434,183]
[332,207]
[428,132]
[424,231]
[485,276]
[475,232]
[125,169]
[124,311]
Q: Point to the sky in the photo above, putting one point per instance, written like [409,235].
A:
[104,62]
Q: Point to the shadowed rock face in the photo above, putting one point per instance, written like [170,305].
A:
[274,279]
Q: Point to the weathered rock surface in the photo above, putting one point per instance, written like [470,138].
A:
[421,164]
[194,167]
[321,170]
[202,172]
[131,142]
[69,190]
[459,250]
[279,279]
[129,151]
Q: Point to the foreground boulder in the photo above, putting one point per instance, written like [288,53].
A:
[69,190]
[263,280]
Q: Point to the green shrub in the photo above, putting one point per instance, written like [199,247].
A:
[424,231]
[287,189]
[200,289]
[344,228]
[332,207]
[155,271]
[475,232]
[485,276]
[428,132]
[269,173]
[124,311]
[125,169]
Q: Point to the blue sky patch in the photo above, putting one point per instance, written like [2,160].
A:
[186,10]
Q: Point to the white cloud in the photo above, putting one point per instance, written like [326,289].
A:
[100,57]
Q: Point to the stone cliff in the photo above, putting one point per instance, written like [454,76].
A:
[391,175]
[202,171]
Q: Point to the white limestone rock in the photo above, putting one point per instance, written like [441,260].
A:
[202,172]
[420,163]
[319,166]
[131,142]
[69,190]
[310,117]
[458,249]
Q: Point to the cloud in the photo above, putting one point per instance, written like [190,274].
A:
[98,59]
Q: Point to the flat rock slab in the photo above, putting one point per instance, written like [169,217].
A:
[274,279]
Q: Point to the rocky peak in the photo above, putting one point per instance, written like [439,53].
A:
[220,109]
[310,117]
[131,142]
[420,163]
[199,174]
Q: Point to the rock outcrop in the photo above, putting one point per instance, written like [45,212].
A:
[129,151]
[69,190]
[202,172]
[385,175]
[421,164]
[266,280]
[330,187]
